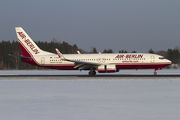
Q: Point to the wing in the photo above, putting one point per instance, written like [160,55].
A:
[81,65]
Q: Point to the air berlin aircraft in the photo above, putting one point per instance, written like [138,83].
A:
[103,63]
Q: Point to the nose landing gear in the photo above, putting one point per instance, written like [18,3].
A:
[155,73]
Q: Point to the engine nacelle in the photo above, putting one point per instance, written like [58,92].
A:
[107,68]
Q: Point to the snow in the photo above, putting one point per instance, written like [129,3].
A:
[89,98]
[77,72]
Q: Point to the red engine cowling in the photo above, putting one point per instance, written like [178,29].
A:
[107,68]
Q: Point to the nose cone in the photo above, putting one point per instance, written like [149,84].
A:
[169,62]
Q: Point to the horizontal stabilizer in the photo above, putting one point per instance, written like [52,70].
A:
[23,57]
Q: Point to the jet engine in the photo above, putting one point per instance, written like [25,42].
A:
[107,68]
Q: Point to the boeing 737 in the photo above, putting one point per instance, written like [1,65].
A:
[103,63]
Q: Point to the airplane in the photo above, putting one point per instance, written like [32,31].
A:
[102,63]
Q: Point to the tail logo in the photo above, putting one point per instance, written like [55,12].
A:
[28,42]
[21,34]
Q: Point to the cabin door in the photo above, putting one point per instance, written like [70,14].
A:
[152,59]
[42,60]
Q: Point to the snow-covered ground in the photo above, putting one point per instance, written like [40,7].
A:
[89,98]
[77,72]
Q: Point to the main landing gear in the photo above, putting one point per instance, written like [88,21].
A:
[92,72]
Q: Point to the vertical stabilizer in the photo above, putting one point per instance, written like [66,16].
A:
[28,47]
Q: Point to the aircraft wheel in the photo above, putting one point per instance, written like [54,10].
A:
[155,73]
[92,72]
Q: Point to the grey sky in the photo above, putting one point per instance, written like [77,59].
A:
[117,24]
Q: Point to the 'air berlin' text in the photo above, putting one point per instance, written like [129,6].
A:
[28,42]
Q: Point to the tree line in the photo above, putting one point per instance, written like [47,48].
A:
[9,62]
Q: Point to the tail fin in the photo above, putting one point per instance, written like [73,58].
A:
[28,47]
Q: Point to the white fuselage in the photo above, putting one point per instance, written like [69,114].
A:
[121,60]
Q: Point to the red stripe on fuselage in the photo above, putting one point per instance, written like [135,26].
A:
[141,66]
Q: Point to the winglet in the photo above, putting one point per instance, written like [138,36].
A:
[78,52]
[60,54]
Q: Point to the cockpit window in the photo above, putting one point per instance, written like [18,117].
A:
[161,58]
